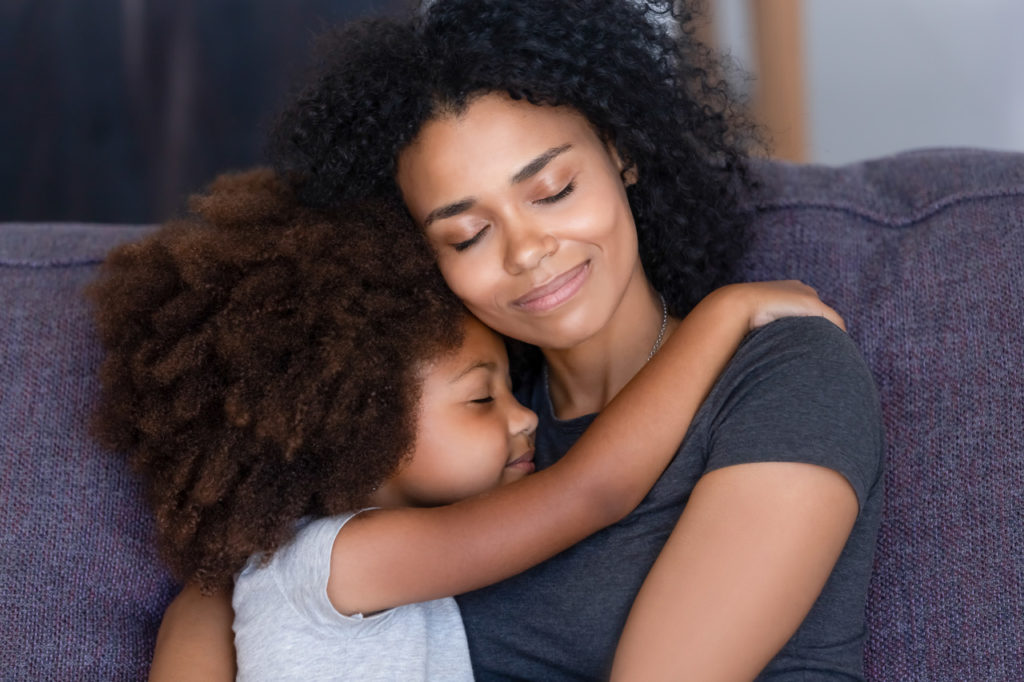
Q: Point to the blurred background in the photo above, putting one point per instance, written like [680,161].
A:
[841,81]
[115,110]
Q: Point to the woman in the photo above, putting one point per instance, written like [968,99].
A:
[573,167]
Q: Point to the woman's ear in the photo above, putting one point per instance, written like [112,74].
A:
[630,175]
[627,171]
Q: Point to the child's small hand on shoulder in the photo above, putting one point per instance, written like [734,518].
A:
[762,302]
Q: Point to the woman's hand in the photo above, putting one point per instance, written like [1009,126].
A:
[763,302]
[195,641]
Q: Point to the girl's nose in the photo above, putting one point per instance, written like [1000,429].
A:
[521,418]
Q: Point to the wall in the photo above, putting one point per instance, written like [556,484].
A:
[887,75]
[116,110]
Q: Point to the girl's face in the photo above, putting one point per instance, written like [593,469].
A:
[472,434]
[527,211]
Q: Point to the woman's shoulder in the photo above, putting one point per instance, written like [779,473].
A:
[806,335]
[798,389]
[806,358]
[809,351]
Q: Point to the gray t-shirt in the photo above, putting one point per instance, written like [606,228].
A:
[287,629]
[797,390]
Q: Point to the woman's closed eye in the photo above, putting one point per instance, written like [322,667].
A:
[483,400]
[463,245]
[563,193]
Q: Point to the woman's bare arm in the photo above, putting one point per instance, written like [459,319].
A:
[391,557]
[761,534]
[195,641]
[741,570]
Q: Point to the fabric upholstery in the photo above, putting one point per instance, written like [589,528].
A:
[923,253]
[81,591]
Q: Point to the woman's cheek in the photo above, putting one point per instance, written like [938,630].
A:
[471,274]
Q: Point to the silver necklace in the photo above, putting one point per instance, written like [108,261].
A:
[654,349]
[661,332]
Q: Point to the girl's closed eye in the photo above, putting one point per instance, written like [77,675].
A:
[483,400]
[558,196]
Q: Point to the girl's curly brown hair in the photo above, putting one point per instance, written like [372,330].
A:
[262,364]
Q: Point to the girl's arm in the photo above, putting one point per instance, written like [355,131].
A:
[391,557]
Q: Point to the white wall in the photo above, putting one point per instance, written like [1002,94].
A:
[887,75]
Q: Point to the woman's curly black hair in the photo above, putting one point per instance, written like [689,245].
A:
[632,68]
[263,364]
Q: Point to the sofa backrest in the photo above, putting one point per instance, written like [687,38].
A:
[81,589]
[923,254]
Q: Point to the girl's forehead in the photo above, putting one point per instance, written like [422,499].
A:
[481,349]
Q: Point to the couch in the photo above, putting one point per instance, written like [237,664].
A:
[922,252]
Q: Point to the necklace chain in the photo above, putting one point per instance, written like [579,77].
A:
[661,332]
[654,349]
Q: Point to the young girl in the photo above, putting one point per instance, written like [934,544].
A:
[309,405]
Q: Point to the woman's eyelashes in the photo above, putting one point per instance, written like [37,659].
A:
[483,400]
[565,191]
[463,245]
[558,196]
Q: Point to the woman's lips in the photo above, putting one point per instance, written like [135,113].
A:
[556,291]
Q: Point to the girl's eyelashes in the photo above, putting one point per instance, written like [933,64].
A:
[463,245]
[565,191]
[483,401]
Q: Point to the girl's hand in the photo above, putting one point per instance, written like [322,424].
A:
[763,302]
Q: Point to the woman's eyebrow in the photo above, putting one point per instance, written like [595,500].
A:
[449,211]
[535,166]
[526,172]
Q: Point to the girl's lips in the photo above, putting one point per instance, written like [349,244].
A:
[556,291]
[526,467]
[523,463]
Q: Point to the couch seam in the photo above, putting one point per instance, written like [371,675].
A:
[921,214]
[38,265]
[907,220]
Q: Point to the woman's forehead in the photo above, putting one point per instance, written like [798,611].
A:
[496,120]
[493,136]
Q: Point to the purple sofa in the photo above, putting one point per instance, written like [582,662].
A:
[923,253]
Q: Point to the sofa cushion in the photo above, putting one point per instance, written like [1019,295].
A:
[81,589]
[923,254]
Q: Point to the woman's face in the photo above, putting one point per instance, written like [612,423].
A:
[527,211]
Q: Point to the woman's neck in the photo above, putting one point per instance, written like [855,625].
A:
[584,378]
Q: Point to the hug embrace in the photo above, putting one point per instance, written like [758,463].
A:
[477,335]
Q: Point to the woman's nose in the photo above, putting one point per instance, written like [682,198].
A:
[526,246]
